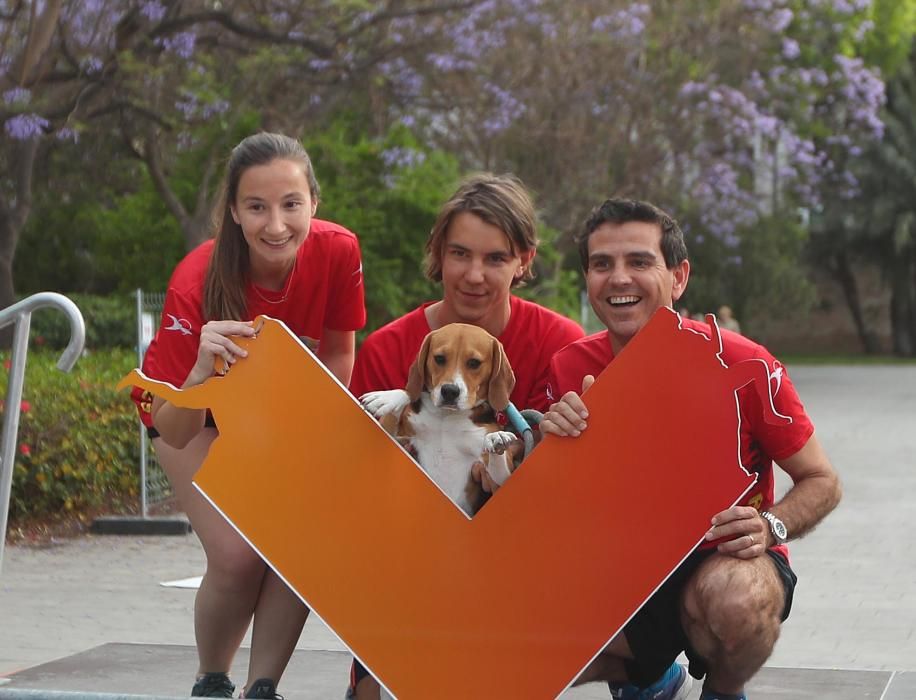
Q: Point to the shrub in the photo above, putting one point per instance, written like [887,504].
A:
[77,446]
[111,322]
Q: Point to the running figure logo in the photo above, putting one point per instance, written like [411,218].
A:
[178,324]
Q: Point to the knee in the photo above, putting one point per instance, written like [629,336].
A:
[234,562]
[731,602]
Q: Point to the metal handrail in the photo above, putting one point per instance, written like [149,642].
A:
[20,314]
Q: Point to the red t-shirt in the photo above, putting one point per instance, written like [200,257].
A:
[532,336]
[325,291]
[761,443]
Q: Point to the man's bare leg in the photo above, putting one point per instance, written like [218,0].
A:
[731,613]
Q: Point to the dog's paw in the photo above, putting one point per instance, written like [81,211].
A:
[499,442]
[383,403]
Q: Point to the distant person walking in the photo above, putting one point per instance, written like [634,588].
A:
[727,320]
[269,256]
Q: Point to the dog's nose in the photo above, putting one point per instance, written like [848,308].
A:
[449,393]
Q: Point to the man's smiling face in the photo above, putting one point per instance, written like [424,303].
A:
[627,278]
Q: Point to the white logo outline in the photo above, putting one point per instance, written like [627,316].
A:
[178,324]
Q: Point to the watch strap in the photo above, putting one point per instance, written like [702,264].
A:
[777,527]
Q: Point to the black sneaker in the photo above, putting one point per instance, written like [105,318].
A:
[263,688]
[213,685]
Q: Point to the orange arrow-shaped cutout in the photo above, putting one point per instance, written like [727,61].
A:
[515,602]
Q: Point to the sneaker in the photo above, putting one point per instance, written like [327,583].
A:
[262,688]
[623,691]
[675,685]
[213,685]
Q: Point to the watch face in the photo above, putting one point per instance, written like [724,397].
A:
[777,526]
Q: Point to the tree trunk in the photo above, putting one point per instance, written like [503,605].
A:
[900,337]
[7,292]
[903,308]
[911,317]
[14,212]
[842,272]
[195,225]
[196,229]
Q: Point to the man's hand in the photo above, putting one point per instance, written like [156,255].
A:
[480,474]
[744,533]
[566,417]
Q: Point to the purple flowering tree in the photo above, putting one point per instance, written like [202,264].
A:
[161,76]
[727,114]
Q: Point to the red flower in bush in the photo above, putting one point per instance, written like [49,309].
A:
[25,449]
[7,363]
[25,407]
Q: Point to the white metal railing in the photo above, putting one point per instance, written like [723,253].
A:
[20,314]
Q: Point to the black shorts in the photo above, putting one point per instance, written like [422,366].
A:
[151,432]
[655,634]
[357,673]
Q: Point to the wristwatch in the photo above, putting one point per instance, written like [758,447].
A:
[777,527]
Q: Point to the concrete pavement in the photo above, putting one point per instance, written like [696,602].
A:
[855,607]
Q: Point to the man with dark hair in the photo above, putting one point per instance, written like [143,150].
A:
[723,606]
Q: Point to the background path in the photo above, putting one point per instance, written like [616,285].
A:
[855,607]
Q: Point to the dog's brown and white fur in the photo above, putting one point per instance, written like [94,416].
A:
[445,416]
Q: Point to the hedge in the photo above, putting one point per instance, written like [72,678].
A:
[78,438]
[111,322]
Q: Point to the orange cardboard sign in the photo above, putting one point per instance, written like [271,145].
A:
[515,602]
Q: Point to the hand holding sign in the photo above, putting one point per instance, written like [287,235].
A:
[320,458]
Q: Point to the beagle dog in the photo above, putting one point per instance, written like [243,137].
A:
[446,415]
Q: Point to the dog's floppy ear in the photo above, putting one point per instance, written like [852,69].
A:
[502,380]
[416,377]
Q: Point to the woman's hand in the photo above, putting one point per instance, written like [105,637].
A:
[216,341]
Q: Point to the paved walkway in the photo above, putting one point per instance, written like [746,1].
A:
[855,606]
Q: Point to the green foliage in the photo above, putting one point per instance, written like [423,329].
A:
[77,444]
[101,237]
[555,286]
[111,322]
[772,275]
[888,44]
[765,272]
[388,192]
[136,243]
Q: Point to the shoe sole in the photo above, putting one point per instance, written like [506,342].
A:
[684,691]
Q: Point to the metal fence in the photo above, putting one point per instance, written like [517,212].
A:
[154,485]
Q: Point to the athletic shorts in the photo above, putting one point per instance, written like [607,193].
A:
[655,634]
[357,673]
[151,432]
